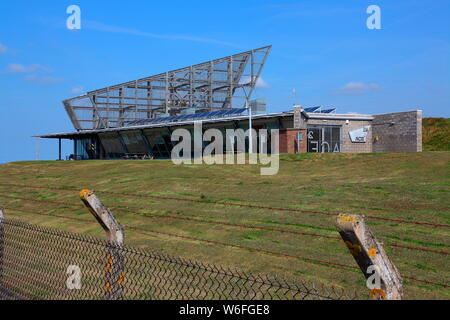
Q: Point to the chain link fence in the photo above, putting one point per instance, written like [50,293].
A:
[44,263]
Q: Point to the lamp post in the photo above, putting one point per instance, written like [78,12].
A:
[250,127]
[250,134]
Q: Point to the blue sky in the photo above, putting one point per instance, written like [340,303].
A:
[323,49]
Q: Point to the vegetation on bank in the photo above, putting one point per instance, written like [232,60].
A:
[436,134]
[403,186]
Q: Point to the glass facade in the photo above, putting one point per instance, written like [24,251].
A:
[135,143]
[160,142]
[156,142]
[112,146]
[324,139]
[86,149]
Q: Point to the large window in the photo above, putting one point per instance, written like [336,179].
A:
[134,142]
[112,145]
[86,148]
[160,142]
[324,139]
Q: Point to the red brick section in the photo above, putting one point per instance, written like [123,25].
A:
[288,141]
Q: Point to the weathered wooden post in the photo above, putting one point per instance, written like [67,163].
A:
[114,265]
[370,257]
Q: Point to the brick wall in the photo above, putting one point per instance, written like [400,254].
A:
[398,132]
[289,143]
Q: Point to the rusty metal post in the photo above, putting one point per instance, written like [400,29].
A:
[370,257]
[114,265]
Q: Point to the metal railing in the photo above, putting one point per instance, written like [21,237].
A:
[43,263]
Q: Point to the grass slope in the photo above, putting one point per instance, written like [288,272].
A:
[410,186]
[436,134]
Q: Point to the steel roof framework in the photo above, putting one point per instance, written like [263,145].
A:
[214,85]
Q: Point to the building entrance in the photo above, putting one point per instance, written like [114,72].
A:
[324,139]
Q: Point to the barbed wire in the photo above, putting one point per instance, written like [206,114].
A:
[119,210]
[35,264]
[227,203]
[324,262]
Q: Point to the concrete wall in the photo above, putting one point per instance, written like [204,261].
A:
[398,132]
[299,119]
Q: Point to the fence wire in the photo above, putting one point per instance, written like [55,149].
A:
[44,263]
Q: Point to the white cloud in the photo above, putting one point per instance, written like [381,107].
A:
[20,68]
[3,48]
[353,88]
[43,80]
[77,90]
[93,25]
[33,73]
[260,83]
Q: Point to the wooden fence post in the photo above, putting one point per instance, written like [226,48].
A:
[114,265]
[370,257]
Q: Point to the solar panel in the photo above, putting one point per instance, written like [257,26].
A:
[313,109]
[328,110]
[237,111]
[222,113]
[215,113]
[210,114]
[187,116]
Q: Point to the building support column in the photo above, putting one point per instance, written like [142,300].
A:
[75,142]
[59,149]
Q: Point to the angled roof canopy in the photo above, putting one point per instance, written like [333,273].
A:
[220,84]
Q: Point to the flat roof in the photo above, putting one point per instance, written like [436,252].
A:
[339,116]
[69,135]
[309,115]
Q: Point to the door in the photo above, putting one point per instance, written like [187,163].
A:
[324,139]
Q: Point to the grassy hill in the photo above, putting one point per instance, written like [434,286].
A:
[211,213]
[436,134]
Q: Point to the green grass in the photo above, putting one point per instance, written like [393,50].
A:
[436,134]
[410,186]
[254,235]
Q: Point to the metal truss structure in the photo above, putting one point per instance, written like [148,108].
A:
[214,85]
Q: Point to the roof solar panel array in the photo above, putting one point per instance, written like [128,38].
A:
[194,116]
[313,109]
[319,110]
[212,114]
[328,110]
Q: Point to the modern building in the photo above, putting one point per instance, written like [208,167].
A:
[136,119]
